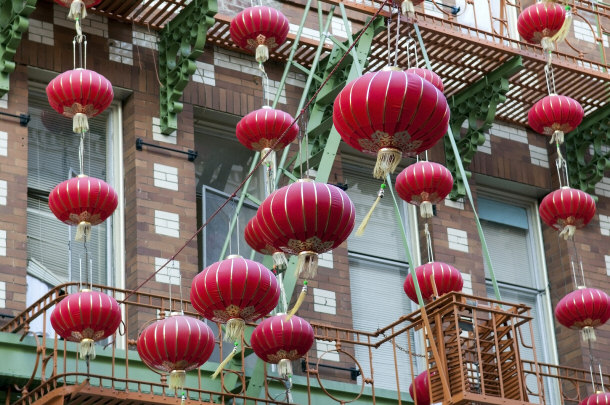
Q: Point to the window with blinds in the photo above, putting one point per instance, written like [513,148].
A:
[53,255]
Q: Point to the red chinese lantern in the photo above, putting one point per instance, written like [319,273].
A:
[434,275]
[585,309]
[83,201]
[429,76]
[279,341]
[555,115]
[176,345]
[79,94]
[78,8]
[390,113]
[421,387]
[542,23]
[253,237]
[235,291]
[86,317]
[261,130]
[424,184]
[259,29]
[306,218]
[599,398]
[567,209]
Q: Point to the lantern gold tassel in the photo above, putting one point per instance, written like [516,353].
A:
[557,137]
[83,232]
[307,266]
[565,27]
[568,232]
[78,11]
[177,379]
[426,210]
[80,123]
[262,53]
[367,218]
[226,361]
[284,368]
[86,348]
[588,334]
[280,263]
[407,8]
[388,160]
[299,302]
[235,328]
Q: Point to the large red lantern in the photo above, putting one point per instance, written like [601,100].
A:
[421,387]
[390,113]
[277,340]
[86,317]
[599,398]
[429,76]
[585,308]
[541,23]
[306,218]
[176,345]
[424,184]
[555,115]
[566,210]
[78,94]
[235,291]
[83,201]
[261,130]
[434,275]
[259,29]
[254,238]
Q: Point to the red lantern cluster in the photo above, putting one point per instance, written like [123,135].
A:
[280,341]
[566,210]
[434,275]
[259,29]
[86,317]
[390,113]
[420,387]
[176,345]
[306,218]
[541,22]
[555,115]
[585,309]
[235,291]
[424,184]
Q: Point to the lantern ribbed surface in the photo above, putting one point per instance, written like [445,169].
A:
[555,113]
[428,75]
[276,339]
[254,239]
[446,277]
[80,91]
[81,199]
[86,315]
[176,343]
[600,398]
[259,25]
[421,386]
[261,129]
[585,307]
[390,113]
[540,20]
[424,183]
[567,209]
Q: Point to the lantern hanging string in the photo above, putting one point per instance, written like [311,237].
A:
[81,40]
[428,242]
[257,165]
[397,35]
[265,80]
[549,76]
[389,23]
[411,44]
[562,169]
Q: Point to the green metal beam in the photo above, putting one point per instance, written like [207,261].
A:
[588,150]
[13,23]
[477,105]
[181,43]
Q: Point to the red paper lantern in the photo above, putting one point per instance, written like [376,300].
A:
[446,279]
[86,317]
[429,76]
[390,113]
[78,8]
[424,184]
[421,387]
[279,341]
[599,398]
[253,237]
[176,345]
[541,22]
[306,218]
[260,130]
[555,115]
[235,291]
[566,210]
[259,29]
[79,94]
[83,201]
[585,308]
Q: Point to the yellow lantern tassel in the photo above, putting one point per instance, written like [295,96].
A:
[388,160]
[86,349]
[407,8]
[234,329]
[307,265]
[284,368]
[83,231]
[226,361]
[367,218]
[299,302]
[588,334]
[565,28]
[262,53]
[568,232]
[177,379]
[280,263]
[77,10]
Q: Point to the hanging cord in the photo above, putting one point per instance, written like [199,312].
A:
[256,166]
[389,23]
[428,242]
[397,35]
[81,40]
[549,76]
[411,44]
[303,124]
[266,93]
[81,153]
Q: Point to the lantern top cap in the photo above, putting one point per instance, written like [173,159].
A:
[267,107]
[233,257]
[85,290]
[305,181]
[582,287]
[176,313]
[391,68]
